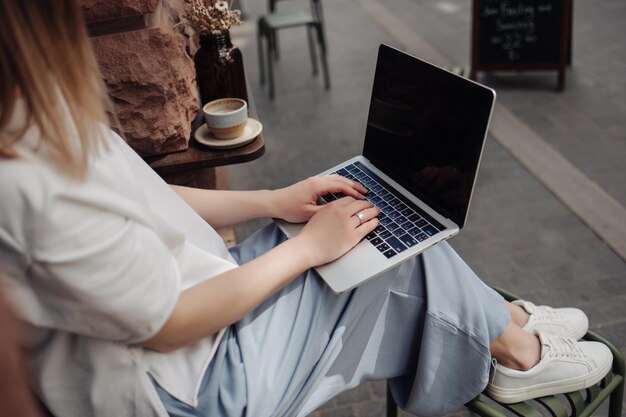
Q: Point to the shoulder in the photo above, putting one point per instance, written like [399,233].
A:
[25,186]
[23,197]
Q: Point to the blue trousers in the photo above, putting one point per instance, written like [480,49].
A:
[426,325]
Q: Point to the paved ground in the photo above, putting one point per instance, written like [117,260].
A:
[519,235]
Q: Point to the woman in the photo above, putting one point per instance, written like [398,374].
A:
[134,306]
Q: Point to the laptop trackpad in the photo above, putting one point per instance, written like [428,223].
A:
[360,264]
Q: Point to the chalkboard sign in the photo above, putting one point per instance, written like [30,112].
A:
[521,35]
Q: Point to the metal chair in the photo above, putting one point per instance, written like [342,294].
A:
[268,26]
[316,11]
[574,404]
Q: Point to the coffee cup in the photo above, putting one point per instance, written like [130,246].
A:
[226,117]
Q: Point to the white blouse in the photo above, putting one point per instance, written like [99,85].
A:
[93,267]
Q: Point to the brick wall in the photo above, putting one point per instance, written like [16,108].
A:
[145,61]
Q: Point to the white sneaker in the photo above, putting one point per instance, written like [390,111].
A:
[565,366]
[565,322]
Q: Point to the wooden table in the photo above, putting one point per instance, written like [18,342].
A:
[195,166]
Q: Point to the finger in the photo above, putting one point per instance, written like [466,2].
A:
[367,227]
[346,186]
[344,201]
[366,215]
[352,184]
[357,205]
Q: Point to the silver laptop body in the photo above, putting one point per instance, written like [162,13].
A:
[424,140]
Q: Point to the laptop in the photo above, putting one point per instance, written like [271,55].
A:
[425,134]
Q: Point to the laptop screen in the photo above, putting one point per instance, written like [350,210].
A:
[426,128]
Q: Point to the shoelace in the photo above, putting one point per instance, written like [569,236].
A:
[563,347]
[546,313]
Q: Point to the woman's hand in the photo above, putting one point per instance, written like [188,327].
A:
[298,203]
[337,228]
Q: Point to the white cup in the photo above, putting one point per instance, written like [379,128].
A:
[226,117]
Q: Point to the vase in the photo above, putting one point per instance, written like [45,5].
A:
[219,69]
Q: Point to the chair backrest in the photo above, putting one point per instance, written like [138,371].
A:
[316,8]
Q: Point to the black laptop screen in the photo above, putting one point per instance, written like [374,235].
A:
[426,129]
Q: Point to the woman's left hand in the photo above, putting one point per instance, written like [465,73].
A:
[298,203]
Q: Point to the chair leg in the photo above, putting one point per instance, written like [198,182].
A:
[319,15]
[275,42]
[322,43]
[309,34]
[270,64]
[259,35]
[392,408]
[616,400]
[272,8]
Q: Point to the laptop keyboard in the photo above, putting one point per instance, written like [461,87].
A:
[401,223]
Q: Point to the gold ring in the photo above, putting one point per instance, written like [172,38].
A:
[361,217]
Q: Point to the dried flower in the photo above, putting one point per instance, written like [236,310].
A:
[212,17]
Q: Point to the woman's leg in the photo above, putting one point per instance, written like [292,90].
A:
[427,324]
[516,348]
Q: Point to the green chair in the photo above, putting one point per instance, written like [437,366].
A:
[575,404]
[270,24]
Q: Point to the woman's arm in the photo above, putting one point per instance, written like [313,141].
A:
[296,203]
[222,300]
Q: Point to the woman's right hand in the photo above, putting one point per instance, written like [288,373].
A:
[336,229]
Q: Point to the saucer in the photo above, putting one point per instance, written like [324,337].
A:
[252,129]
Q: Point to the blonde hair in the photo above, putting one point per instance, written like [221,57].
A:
[46,59]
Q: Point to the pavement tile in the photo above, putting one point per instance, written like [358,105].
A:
[375,408]
[353,396]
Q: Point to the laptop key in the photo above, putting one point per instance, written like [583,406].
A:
[352,169]
[421,237]
[389,253]
[394,215]
[385,234]
[414,231]
[414,217]
[421,223]
[371,236]
[396,244]
[405,224]
[385,221]
[398,232]
[408,240]
[383,247]
[407,212]
[342,171]
[329,197]
[379,229]
[429,230]
[400,207]
[392,226]
[376,241]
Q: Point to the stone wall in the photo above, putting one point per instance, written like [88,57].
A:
[145,61]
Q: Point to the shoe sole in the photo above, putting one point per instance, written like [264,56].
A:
[515,395]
